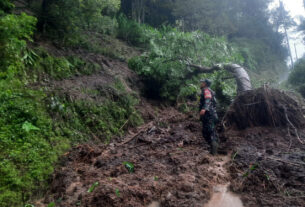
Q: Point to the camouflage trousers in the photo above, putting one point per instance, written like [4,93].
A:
[209,121]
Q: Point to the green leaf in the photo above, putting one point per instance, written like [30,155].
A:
[52,204]
[129,166]
[27,126]
[93,186]
[117,192]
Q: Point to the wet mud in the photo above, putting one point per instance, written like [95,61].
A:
[268,168]
[173,168]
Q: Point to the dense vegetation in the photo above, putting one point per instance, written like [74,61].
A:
[164,69]
[39,125]
[297,77]
[248,24]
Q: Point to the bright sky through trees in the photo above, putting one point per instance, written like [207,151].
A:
[296,9]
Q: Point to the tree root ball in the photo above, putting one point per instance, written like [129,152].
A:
[264,107]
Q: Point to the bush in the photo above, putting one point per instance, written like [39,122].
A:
[66,20]
[14,30]
[29,148]
[41,65]
[6,6]
[133,32]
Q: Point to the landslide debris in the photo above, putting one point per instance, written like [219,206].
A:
[265,165]
[265,130]
[172,166]
[268,168]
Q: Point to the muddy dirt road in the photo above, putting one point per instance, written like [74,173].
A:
[173,167]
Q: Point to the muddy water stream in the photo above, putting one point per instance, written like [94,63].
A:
[223,198]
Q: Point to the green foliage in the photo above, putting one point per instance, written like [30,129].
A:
[297,77]
[93,186]
[30,140]
[164,68]
[14,30]
[255,30]
[129,166]
[6,6]
[52,204]
[117,192]
[131,31]
[250,170]
[41,65]
[67,20]
[27,126]
[29,148]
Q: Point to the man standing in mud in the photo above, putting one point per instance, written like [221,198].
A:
[208,115]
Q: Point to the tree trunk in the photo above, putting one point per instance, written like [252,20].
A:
[43,17]
[241,76]
[138,10]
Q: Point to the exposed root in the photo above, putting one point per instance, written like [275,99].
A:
[264,107]
[293,127]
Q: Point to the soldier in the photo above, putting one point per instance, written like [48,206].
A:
[208,115]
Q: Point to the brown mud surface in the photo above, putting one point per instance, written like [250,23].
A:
[172,167]
[264,166]
[266,131]
[268,167]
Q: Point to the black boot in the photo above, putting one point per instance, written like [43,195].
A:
[214,144]
[214,147]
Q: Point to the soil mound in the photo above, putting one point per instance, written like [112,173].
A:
[264,107]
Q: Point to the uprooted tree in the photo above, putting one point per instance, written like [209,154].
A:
[241,76]
[264,106]
[172,67]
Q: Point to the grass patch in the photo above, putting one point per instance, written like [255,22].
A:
[43,66]
[29,147]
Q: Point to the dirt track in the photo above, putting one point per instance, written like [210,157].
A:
[173,167]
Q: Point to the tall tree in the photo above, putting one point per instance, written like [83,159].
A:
[134,9]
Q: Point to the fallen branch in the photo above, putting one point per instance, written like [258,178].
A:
[127,121]
[143,128]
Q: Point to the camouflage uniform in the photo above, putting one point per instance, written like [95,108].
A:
[210,118]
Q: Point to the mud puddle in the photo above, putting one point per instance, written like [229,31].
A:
[154,204]
[223,198]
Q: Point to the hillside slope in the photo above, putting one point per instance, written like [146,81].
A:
[171,162]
